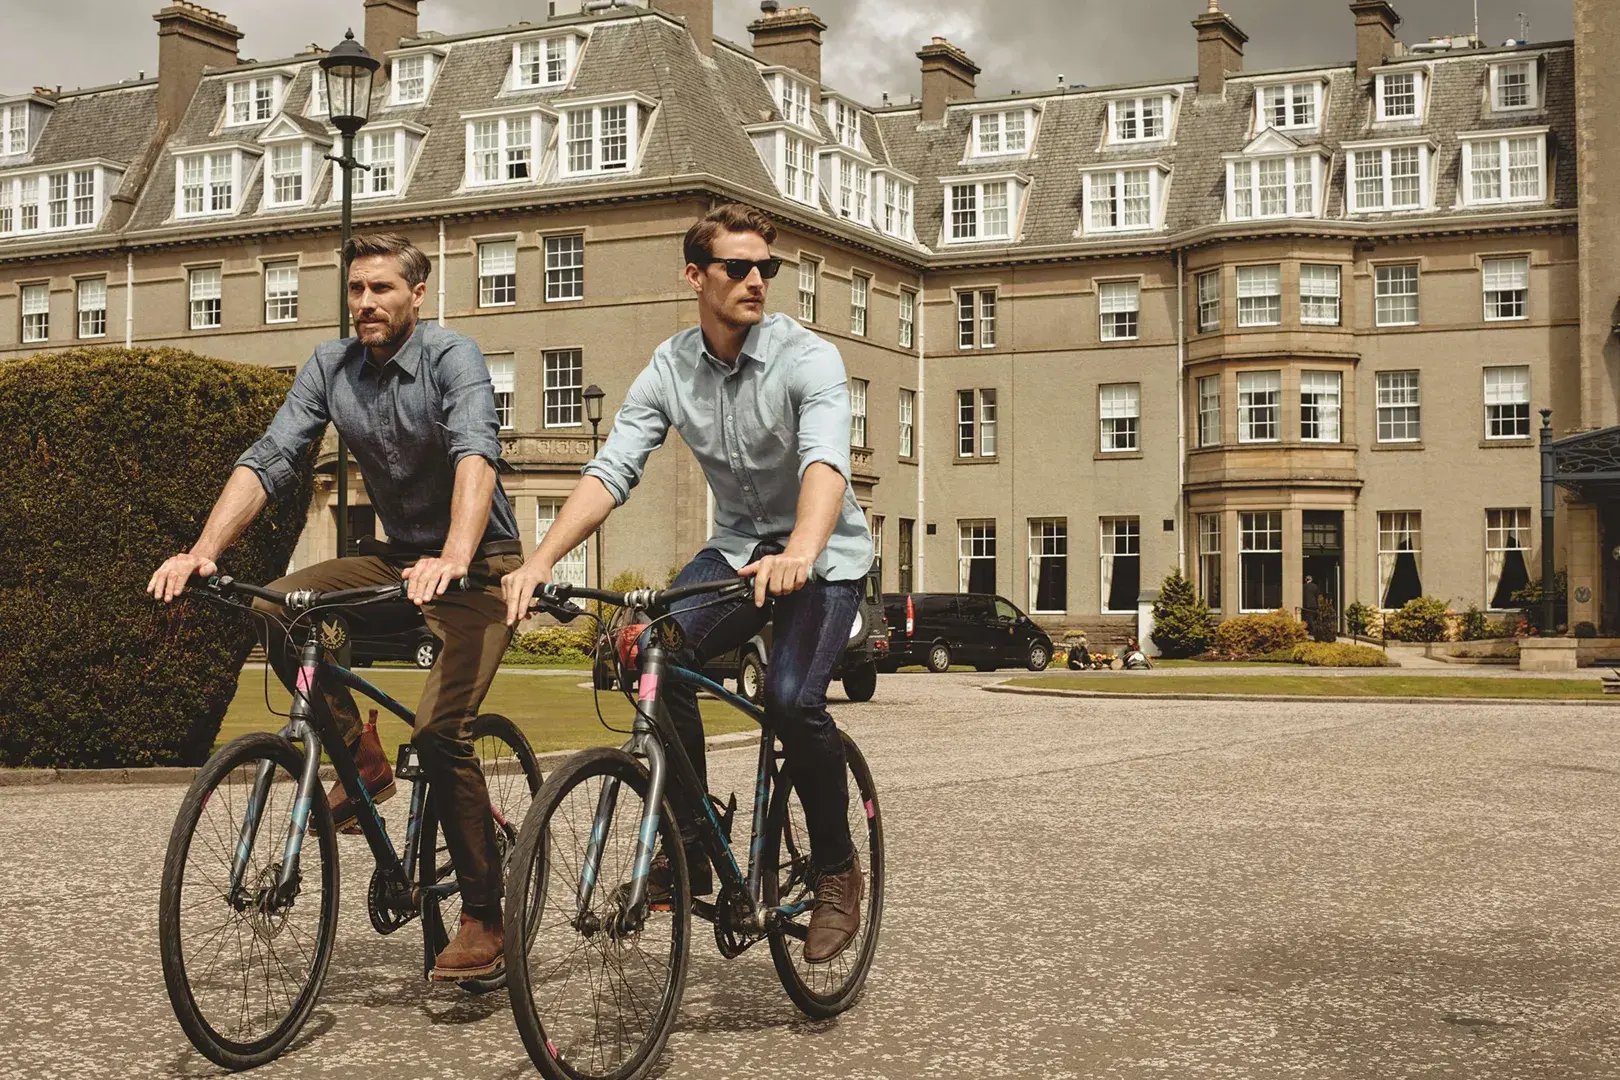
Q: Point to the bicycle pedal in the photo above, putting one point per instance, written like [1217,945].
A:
[409,764]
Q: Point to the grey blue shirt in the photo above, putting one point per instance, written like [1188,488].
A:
[755,427]
[408,426]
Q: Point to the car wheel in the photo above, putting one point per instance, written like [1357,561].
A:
[751,678]
[1039,657]
[861,683]
[426,653]
[939,658]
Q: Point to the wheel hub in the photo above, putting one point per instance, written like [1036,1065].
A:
[265,909]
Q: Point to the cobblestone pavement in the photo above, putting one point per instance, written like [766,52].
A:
[1101,889]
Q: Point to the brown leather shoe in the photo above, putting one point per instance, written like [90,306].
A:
[836,917]
[375,773]
[475,952]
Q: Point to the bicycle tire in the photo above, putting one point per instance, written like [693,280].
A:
[228,771]
[512,800]
[824,990]
[545,872]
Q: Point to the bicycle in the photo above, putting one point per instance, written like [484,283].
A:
[232,894]
[596,975]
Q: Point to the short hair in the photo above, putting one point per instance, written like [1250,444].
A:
[413,265]
[727,217]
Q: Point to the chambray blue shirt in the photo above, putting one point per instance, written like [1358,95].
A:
[754,427]
[407,425]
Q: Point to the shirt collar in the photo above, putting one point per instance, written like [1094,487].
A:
[753,347]
[409,356]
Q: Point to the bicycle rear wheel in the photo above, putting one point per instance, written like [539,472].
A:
[593,1001]
[244,972]
[823,990]
[512,776]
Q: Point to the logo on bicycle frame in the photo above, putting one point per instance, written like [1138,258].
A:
[334,634]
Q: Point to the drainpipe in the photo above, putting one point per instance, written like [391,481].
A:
[129,300]
[1548,511]
[1181,411]
[442,318]
[918,430]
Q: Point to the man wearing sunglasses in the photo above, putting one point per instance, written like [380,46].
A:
[764,404]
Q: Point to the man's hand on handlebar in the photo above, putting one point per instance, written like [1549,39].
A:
[519,587]
[427,579]
[171,578]
[777,575]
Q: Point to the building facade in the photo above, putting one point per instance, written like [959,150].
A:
[1257,325]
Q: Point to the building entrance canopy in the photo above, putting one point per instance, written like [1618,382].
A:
[1588,464]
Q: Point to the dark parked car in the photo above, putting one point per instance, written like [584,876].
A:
[391,630]
[941,629]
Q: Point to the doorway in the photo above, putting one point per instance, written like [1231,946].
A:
[1322,556]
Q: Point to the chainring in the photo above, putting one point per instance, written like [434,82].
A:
[389,907]
[733,932]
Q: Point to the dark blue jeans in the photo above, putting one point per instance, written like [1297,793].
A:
[810,632]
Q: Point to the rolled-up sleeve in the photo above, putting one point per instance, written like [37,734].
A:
[300,420]
[638,429]
[824,411]
[468,402]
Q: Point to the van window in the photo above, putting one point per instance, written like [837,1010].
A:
[1005,610]
[976,608]
[935,607]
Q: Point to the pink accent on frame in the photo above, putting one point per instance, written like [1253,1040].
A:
[306,679]
[649,687]
[871,811]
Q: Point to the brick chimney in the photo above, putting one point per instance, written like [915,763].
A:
[387,23]
[1220,48]
[190,38]
[947,75]
[790,38]
[699,18]
[1376,21]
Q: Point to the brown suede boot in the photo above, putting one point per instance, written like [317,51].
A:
[375,773]
[837,915]
[476,951]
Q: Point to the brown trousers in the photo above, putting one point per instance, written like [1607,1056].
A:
[472,626]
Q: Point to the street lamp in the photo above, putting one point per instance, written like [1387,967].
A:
[348,70]
[593,396]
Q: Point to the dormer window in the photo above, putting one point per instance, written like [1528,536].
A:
[544,62]
[791,160]
[57,200]
[413,78]
[1139,119]
[506,149]
[1389,177]
[1514,87]
[210,182]
[1274,177]
[793,99]
[982,208]
[1504,167]
[389,149]
[849,187]
[14,128]
[895,197]
[292,159]
[315,105]
[1123,199]
[1400,95]
[996,134]
[600,137]
[845,121]
[252,101]
[1286,106]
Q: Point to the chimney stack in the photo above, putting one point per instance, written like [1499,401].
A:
[1220,48]
[387,23]
[699,17]
[190,39]
[790,38]
[947,75]
[1376,21]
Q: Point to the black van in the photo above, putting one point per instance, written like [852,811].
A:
[941,629]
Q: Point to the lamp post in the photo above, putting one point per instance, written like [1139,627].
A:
[348,71]
[593,396]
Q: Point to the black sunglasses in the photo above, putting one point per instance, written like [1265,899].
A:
[738,269]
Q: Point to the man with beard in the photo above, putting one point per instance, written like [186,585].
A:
[415,404]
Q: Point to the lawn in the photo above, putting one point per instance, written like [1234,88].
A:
[554,711]
[1368,686]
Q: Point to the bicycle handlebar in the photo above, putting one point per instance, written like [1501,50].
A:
[555,599]
[305,599]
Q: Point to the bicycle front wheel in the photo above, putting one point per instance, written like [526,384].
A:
[593,998]
[244,967]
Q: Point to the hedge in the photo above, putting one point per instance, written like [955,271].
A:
[1247,637]
[113,459]
[1323,654]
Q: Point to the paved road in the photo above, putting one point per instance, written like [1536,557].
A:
[1109,889]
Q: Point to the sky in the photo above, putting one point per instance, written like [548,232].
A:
[869,47]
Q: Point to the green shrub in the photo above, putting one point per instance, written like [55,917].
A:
[1530,599]
[1323,654]
[553,644]
[1421,619]
[1357,618]
[113,458]
[1325,620]
[1475,626]
[1246,637]
[1182,623]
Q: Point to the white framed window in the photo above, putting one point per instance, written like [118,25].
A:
[899,197]
[996,134]
[1119,405]
[600,139]
[565,268]
[564,396]
[1510,168]
[908,318]
[1507,288]
[386,152]
[1120,200]
[14,128]
[1139,119]
[845,121]
[1507,551]
[809,288]
[1209,301]
[413,78]
[976,557]
[1319,294]
[544,62]
[1386,178]
[798,169]
[1400,95]
[1260,561]
[209,183]
[975,423]
[1286,106]
[1273,187]
[976,319]
[504,149]
[1259,406]
[1259,290]
[1395,295]
[1120,304]
[1209,410]
[315,104]
[281,291]
[849,188]
[92,305]
[497,273]
[287,174]
[982,210]
[1507,402]
[1400,407]
[908,409]
[857,412]
[36,312]
[793,99]
[1120,573]
[252,101]
[1209,560]
[1048,566]
[1320,396]
[62,201]
[860,289]
[1400,557]
[502,379]
[204,292]
[1514,86]
[573,567]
